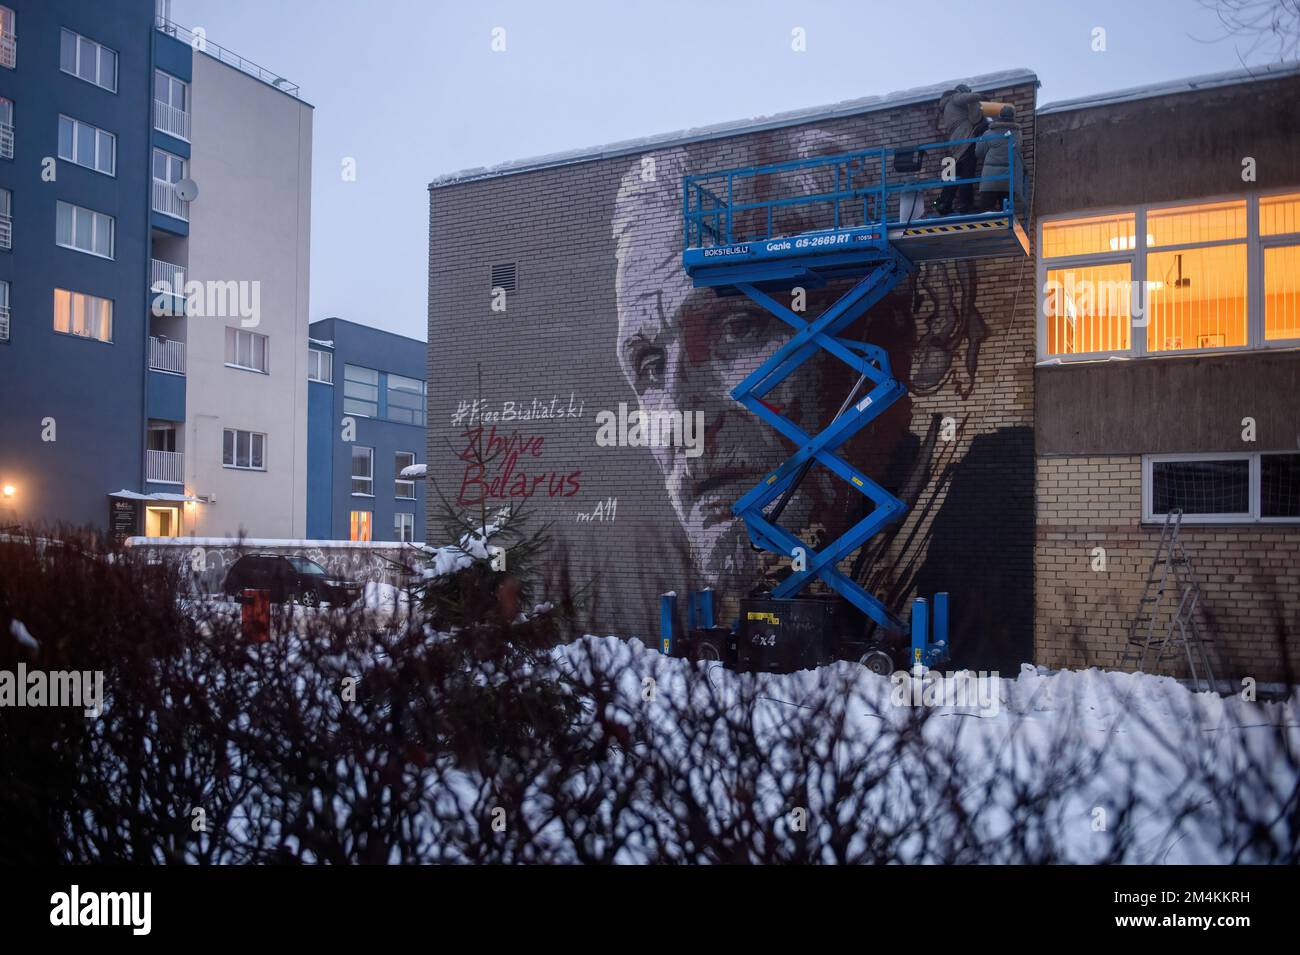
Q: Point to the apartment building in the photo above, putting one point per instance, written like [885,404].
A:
[366,424]
[155,293]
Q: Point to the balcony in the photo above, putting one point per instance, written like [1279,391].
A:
[164,467]
[4,323]
[166,355]
[168,203]
[8,51]
[168,119]
[6,141]
[167,281]
[6,231]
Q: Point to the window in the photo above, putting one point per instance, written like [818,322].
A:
[161,439]
[171,105]
[1197,292]
[1168,279]
[1279,486]
[167,171]
[8,39]
[246,350]
[1088,308]
[170,91]
[1280,215]
[167,167]
[403,488]
[320,366]
[1279,227]
[1222,488]
[360,391]
[360,529]
[4,311]
[83,315]
[83,230]
[363,471]
[6,128]
[1098,234]
[1282,292]
[244,450]
[404,527]
[87,145]
[88,60]
[405,400]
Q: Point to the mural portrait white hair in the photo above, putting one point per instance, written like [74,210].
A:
[683,349]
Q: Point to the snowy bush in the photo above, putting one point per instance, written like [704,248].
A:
[500,740]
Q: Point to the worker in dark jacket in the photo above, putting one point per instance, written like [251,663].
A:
[993,154]
[960,117]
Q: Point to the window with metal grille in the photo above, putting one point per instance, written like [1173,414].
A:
[505,276]
[1222,488]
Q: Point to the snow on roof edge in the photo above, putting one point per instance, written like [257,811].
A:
[853,107]
[1186,84]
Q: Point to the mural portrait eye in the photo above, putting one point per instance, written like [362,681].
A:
[744,330]
[649,368]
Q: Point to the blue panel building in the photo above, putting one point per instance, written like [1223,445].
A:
[366,422]
[115,408]
[76,87]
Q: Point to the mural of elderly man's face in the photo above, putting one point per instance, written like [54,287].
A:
[688,358]
[683,350]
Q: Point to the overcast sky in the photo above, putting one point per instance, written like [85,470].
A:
[412,88]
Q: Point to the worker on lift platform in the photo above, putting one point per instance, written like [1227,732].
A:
[960,117]
[992,153]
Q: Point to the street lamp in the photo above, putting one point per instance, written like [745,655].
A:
[9,511]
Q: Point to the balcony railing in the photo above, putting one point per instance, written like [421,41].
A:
[164,467]
[171,120]
[6,141]
[167,202]
[6,231]
[4,323]
[204,45]
[8,50]
[166,277]
[166,355]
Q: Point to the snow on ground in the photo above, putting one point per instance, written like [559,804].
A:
[1124,731]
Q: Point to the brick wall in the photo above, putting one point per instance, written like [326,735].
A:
[961,336]
[1250,573]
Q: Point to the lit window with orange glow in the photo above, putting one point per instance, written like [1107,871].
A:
[1088,236]
[1279,227]
[1088,309]
[1197,287]
[361,526]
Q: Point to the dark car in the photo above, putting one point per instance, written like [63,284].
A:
[295,579]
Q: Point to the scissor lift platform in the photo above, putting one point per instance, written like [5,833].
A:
[758,230]
[733,236]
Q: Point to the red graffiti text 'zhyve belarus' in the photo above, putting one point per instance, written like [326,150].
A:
[498,467]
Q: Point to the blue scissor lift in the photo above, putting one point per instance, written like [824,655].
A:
[865,231]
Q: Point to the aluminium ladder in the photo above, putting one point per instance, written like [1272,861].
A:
[1171,574]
